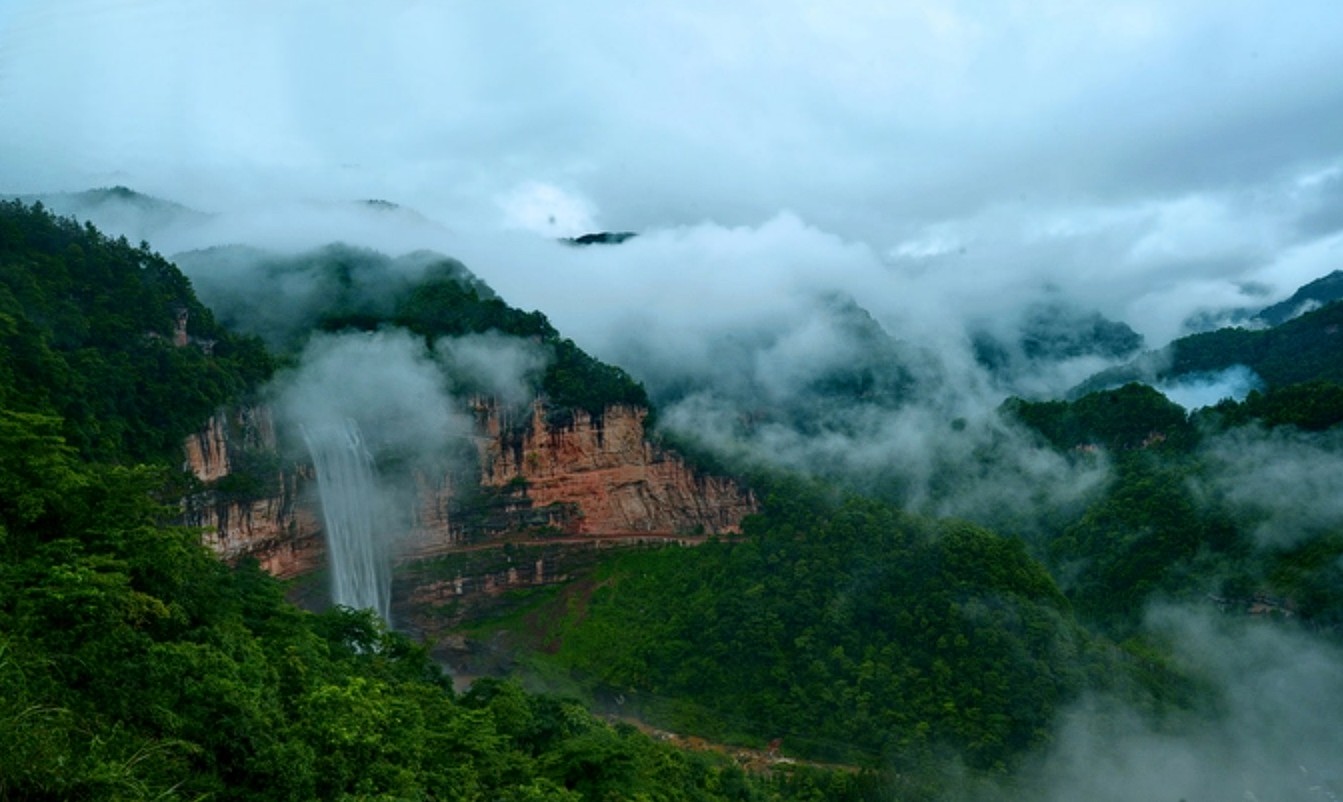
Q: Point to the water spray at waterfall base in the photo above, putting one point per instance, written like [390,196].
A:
[361,576]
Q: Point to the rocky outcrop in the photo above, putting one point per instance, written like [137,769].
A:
[580,475]
[207,451]
[606,468]
[251,505]
[281,530]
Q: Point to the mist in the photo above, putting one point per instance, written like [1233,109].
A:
[1205,390]
[1288,482]
[1154,163]
[1268,730]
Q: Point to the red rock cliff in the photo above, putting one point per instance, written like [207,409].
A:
[587,476]
[281,527]
[605,466]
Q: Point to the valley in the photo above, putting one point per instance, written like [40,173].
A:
[531,517]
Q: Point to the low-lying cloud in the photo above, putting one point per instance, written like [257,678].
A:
[1288,482]
[1204,390]
[387,382]
[492,364]
[1268,729]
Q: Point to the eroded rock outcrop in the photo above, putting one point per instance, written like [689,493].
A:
[281,531]
[580,475]
[604,465]
[207,450]
[251,505]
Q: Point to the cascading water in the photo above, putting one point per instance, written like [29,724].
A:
[360,563]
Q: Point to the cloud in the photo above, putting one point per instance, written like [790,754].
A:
[1147,160]
[505,368]
[1290,483]
[1204,390]
[939,165]
[386,382]
[861,116]
[547,210]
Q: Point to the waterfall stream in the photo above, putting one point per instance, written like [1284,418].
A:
[360,562]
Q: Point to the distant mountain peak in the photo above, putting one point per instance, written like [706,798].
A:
[1308,298]
[600,238]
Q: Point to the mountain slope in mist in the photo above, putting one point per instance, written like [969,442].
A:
[1305,348]
[1099,508]
[134,664]
[1321,291]
[338,288]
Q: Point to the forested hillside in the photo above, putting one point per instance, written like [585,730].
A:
[285,299]
[854,631]
[914,649]
[110,338]
[845,628]
[1185,513]
[1302,349]
[135,665]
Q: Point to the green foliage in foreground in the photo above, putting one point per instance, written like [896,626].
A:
[853,632]
[135,665]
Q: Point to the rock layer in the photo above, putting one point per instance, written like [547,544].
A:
[605,466]
[588,475]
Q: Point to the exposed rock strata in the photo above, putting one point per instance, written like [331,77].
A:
[584,476]
[281,531]
[607,468]
[279,527]
[207,451]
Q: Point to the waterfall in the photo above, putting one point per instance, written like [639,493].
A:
[361,575]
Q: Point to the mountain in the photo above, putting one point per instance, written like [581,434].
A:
[286,298]
[540,531]
[601,238]
[123,211]
[111,339]
[1305,348]
[1321,291]
[1051,332]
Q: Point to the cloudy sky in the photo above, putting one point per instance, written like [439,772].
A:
[1153,159]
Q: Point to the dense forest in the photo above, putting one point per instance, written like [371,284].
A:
[87,327]
[854,631]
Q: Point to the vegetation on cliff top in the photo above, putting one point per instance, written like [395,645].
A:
[339,288]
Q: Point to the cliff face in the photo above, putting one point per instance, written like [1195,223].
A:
[270,519]
[207,451]
[282,533]
[584,476]
[605,466]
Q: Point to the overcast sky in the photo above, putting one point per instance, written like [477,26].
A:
[1154,158]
